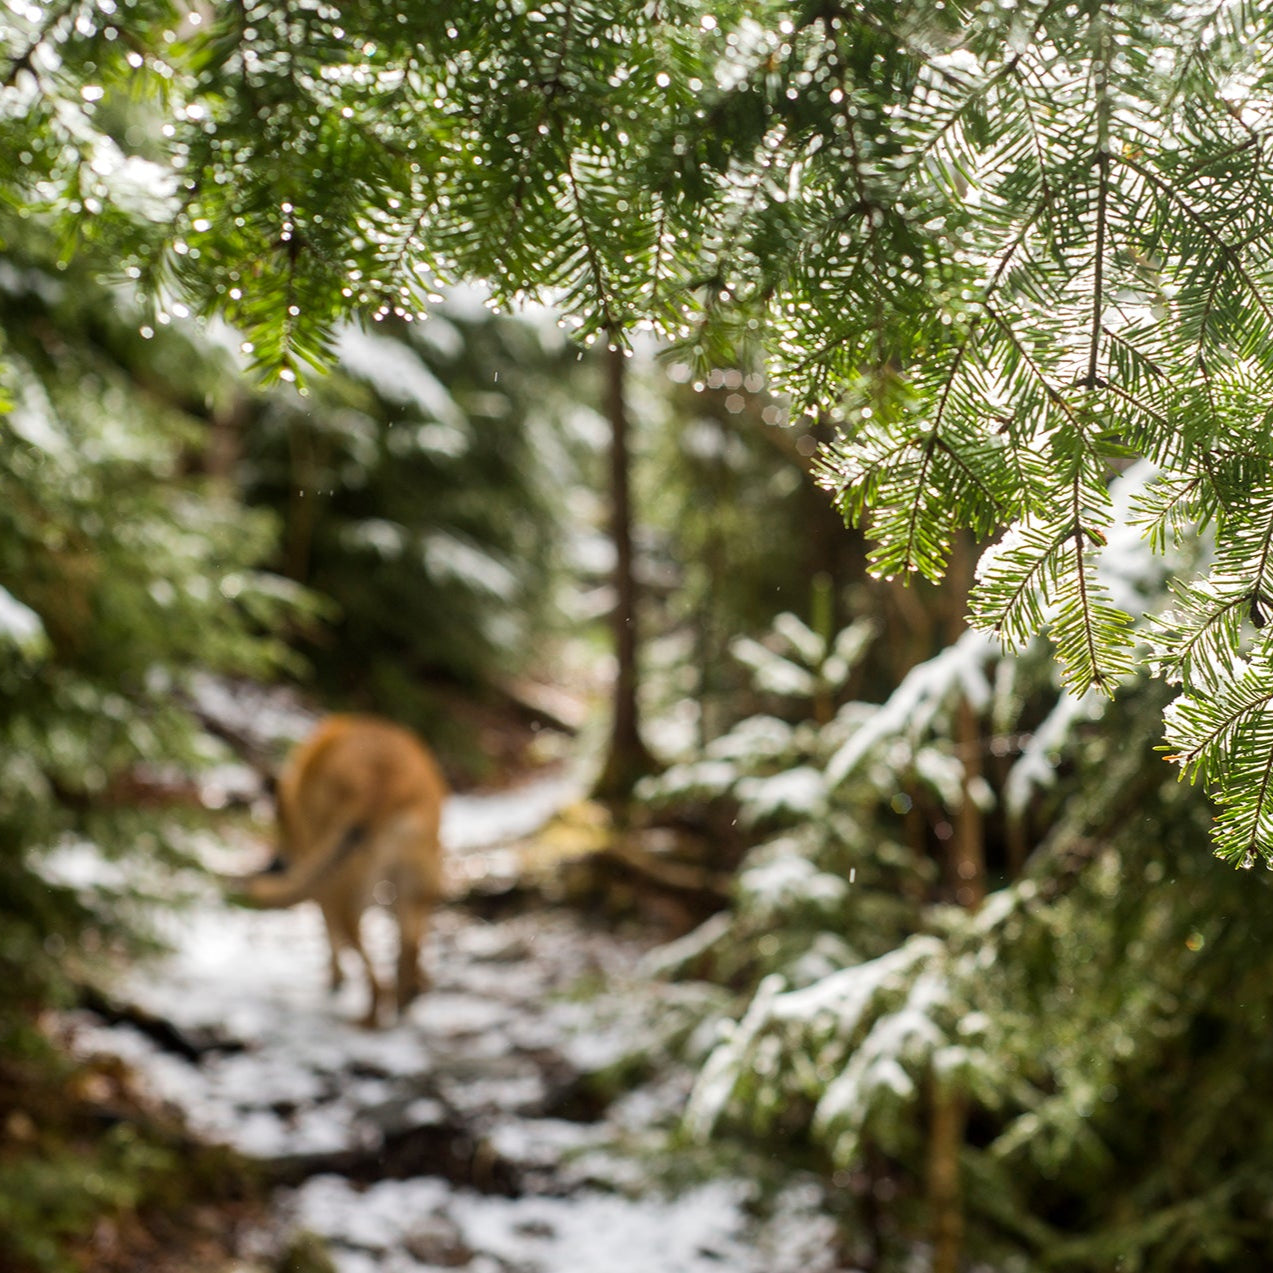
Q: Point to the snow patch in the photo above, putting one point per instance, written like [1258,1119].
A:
[397,373]
[19,624]
[924,691]
[698,1232]
[801,791]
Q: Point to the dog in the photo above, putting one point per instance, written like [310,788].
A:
[359,811]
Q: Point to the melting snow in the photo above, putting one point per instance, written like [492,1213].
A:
[960,668]
[589,1233]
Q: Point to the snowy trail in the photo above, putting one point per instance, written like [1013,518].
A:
[474,1097]
[489,821]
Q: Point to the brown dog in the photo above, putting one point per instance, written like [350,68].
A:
[359,808]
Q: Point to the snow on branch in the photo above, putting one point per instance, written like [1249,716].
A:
[924,692]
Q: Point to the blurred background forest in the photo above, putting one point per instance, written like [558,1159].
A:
[987,974]
[974,968]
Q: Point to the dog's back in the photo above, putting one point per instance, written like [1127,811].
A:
[357,772]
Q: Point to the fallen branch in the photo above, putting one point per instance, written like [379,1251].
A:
[192,1045]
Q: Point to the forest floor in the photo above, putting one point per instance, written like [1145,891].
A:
[522,1118]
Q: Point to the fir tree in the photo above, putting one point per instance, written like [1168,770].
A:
[1008,247]
[122,575]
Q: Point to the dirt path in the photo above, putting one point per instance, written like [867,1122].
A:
[520,1120]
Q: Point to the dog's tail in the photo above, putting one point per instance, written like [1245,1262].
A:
[284,884]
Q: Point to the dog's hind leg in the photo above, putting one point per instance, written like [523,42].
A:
[336,943]
[412,909]
[343,926]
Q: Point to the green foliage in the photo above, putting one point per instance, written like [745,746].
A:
[1007,248]
[91,1176]
[122,575]
[50,1201]
[966,239]
[306,1253]
[423,491]
[812,834]
[717,464]
[1091,1016]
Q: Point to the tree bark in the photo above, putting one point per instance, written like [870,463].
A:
[302,511]
[945,1194]
[223,448]
[967,864]
[968,843]
[628,759]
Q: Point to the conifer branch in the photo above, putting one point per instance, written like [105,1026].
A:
[1098,271]
[1136,403]
[25,61]
[982,91]
[1263,562]
[656,269]
[1027,585]
[973,476]
[1206,162]
[917,501]
[1182,652]
[1100,70]
[595,266]
[1209,465]
[867,475]
[1080,573]
[1261,802]
[1053,394]
[1116,337]
[1204,746]
[1036,141]
[1229,252]
[548,88]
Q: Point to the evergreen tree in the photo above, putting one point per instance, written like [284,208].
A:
[722,465]
[1007,247]
[1034,1082]
[121,576]
[1005,251]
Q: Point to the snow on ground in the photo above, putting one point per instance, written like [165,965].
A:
[590,1233]
[485,821]
[520,1009]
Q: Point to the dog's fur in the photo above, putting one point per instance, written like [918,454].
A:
[359,808]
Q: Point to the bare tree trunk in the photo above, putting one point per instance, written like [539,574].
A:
[945,1194]
[302,510]
[628,759]
[968,843]
[967,865]
[224,447]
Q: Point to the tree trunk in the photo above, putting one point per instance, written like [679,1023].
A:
[945,1194]
[968,843]
[822,621]
[967,857]
[628,759]
[224,446]
[966,863]
[302,510]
